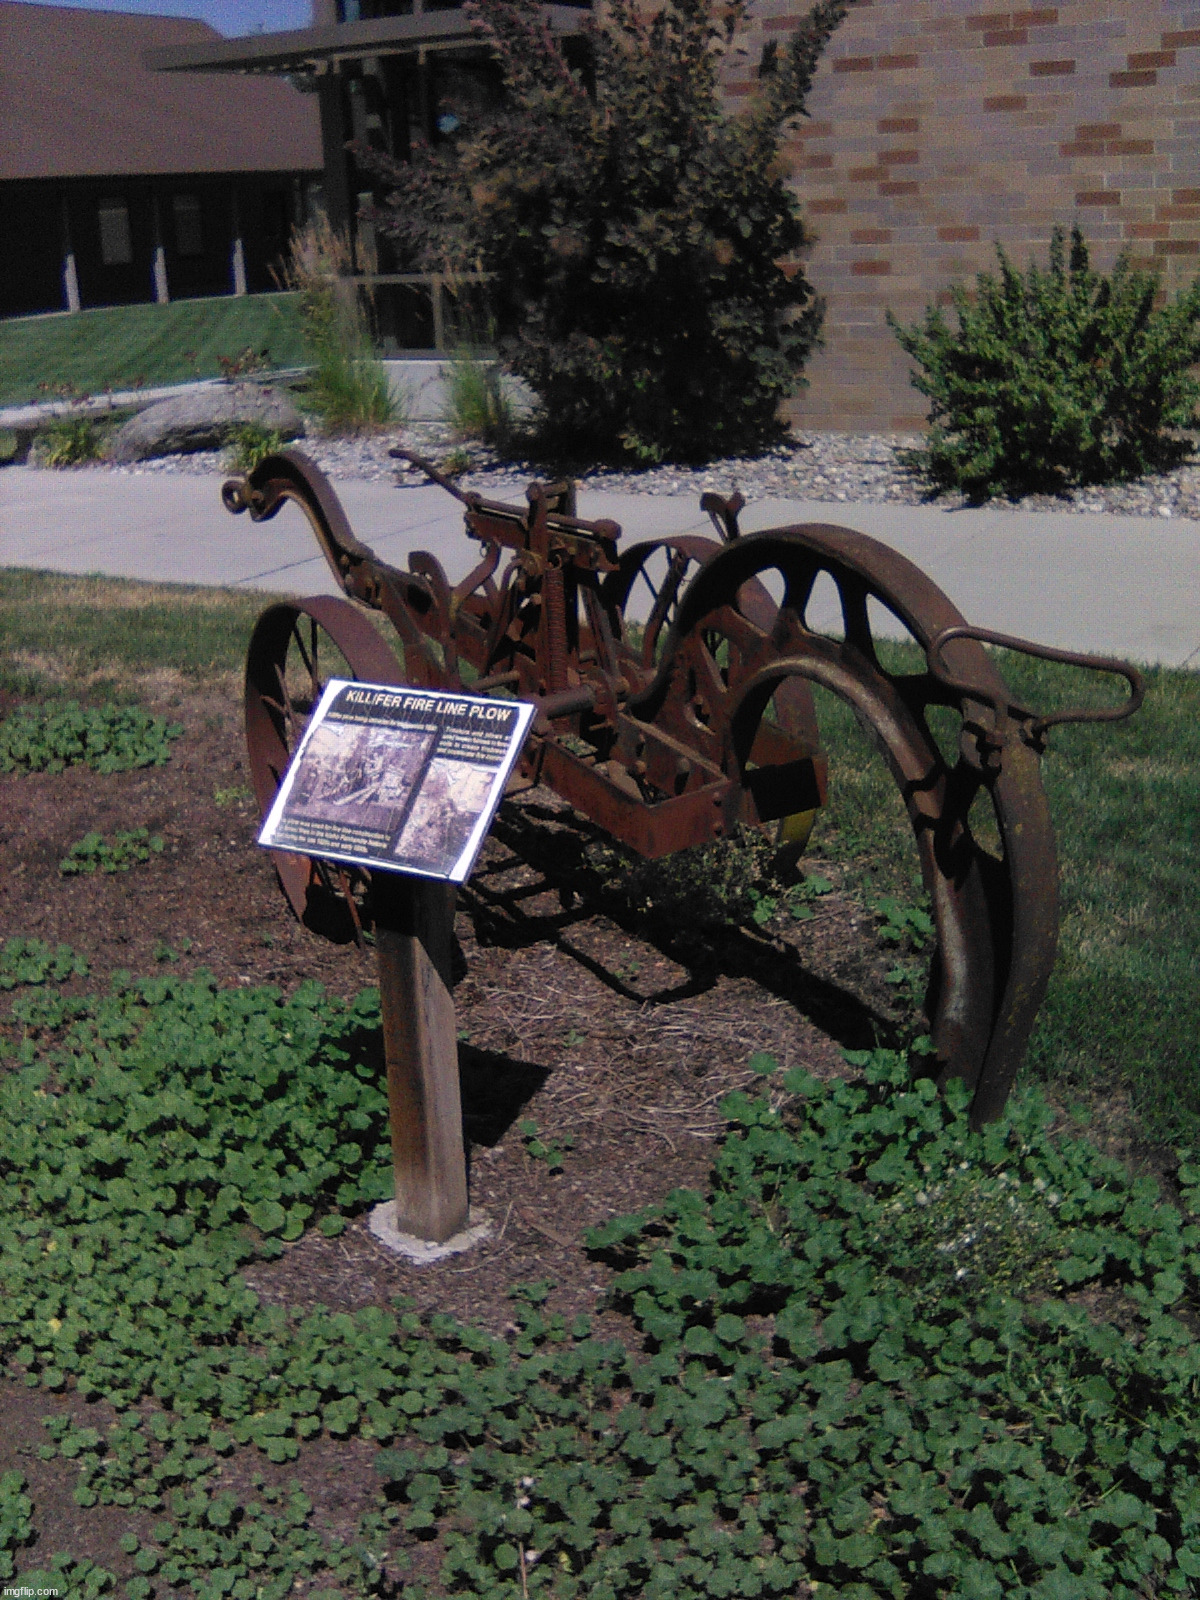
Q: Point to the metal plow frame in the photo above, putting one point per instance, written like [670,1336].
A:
[706,721]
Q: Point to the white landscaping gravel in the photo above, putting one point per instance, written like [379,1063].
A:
[834,467]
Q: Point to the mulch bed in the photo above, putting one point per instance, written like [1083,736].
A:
[599,1024]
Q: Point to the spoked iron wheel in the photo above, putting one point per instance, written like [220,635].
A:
[996,916]
[716,657]
[295,650]
[649,580]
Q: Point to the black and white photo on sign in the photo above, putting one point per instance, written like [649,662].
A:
[444,813]
[359,775]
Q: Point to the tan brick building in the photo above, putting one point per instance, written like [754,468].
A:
[940,126]
[937,127]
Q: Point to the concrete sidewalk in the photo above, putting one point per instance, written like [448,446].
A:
[1127,586]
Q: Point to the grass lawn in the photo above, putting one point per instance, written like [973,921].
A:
[93,637]
[120,347]
[871,1355]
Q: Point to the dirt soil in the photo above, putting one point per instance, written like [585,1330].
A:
[596,1022]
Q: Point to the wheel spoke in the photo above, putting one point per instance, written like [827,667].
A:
[289,711]
[315,671]
[304,655]
[347,889]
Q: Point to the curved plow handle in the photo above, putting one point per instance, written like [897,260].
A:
[1009,708]
[291,475]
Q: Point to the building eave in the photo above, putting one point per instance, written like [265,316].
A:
[306,49]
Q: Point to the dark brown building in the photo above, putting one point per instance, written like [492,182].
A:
[120,184]
[385,73]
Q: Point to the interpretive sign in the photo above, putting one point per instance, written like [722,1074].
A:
[406,779]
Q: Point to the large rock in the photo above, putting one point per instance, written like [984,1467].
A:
[204,420]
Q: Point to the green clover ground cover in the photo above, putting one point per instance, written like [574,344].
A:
[867,1363]
[27,962]
[105,738]
[125,849]
[16,1520]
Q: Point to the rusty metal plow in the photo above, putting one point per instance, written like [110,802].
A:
[676,731]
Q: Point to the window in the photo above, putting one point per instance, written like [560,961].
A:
[276,212]
[189,224]
[116,241]
[367,10]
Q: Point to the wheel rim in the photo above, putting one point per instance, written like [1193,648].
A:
[296,648]
[996,919]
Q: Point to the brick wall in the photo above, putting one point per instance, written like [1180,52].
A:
[940,126]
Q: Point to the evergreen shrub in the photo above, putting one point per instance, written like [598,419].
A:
[640,239]
[1055,378]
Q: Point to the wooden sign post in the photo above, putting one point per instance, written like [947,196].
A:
[405,781]
[414,929]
